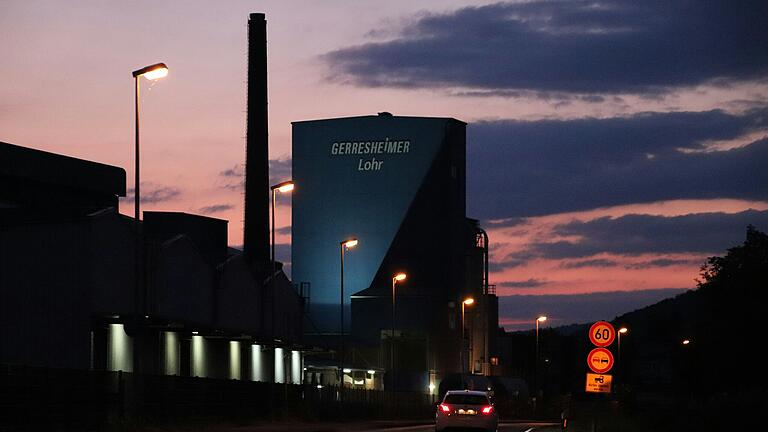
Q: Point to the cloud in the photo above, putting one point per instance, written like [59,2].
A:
[153,193]
[283,252]
[576,308]
[234,178]
[605,46]
[279,170]
[556,166]
[641,234]
[598,262]
[530,283]
[216,208]
[509,261]
[662,262]
[506,223]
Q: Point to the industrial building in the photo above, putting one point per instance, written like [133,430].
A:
[67,287]
[397,186]
[84,287]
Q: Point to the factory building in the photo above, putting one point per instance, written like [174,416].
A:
[68,296]
[73,296]
[397,185]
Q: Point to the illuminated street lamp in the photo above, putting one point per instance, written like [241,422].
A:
[283,187]
[540,319]
[395,279]
[621,331]
[151,72]
[686,341]
[467,302]
[344,245]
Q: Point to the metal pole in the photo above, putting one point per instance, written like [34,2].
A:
[462,343]
[136,193]
[272,290]
[392,335]
[486,360]
[471,348]
[536,362]
[137,227]
[341,328]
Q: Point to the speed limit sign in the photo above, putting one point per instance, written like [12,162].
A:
[602,334]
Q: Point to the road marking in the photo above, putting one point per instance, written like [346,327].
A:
[529,430]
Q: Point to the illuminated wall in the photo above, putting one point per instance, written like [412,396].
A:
[296,367]
[170,353]
[119,349]
[361,177]
[257,364]
[198,357]
[279,366]
[234,360]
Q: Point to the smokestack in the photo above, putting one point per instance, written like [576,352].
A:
[256,226]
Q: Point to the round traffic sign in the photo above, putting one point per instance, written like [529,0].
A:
[600,360]
[602,334]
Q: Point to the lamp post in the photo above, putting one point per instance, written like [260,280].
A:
[467,302]
[540,319]
[344,245]
[151,72]
[395,279]
[622,331]
[283,187]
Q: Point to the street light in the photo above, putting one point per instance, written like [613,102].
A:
[540,319]
[395,279]
[283,187]
[344,245]
[467,302]
[622,331]
[151,72]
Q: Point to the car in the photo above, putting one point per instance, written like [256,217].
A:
[466,409]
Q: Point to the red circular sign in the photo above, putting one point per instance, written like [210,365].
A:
[600,360]
[602,334]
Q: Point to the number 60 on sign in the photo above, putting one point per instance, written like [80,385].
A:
[602,334]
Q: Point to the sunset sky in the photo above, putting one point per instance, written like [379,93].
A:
[612,145]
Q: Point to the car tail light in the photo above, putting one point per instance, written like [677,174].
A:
[445,408]
[488,409]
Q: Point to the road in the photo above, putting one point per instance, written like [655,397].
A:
[503,427]
[383,426]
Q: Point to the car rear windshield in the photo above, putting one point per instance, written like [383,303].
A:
[466,399]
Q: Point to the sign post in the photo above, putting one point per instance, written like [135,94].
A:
[600,360]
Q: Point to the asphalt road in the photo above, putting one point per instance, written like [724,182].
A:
[382,426]
[503,427]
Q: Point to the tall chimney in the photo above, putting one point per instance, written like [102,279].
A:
[256,225]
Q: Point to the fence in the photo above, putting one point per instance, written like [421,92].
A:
[87,399]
